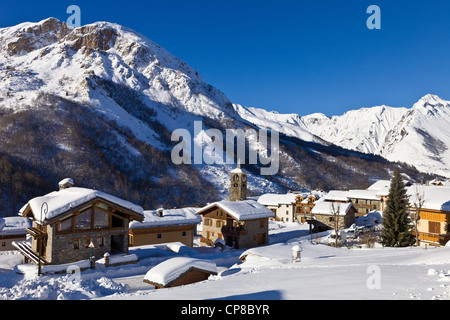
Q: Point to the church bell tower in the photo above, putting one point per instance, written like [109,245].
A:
[238,190]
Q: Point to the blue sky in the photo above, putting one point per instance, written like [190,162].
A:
[289,56]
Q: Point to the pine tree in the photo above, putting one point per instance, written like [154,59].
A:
[396,222]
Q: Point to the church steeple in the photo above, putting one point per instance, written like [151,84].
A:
[238,190]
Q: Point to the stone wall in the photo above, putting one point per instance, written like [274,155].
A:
[60,247]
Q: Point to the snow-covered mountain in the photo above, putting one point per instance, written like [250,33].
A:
[419,136]
[99,103]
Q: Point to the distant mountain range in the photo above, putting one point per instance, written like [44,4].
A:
[98,104]
[419,136]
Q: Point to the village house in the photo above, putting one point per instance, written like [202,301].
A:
[237,224]
[325,213]
[66,222]
[180,271]
[304,204]
[434,223]
[165,225]
[12,229]
[283,205]
[365,201]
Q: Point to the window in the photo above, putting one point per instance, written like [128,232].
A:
[101,241]
[117,222]
[65,225]
[3,244]
[218,223]
[83,220]
[159,236]
[101,219]
[183,234]
[76,244]
[434,227]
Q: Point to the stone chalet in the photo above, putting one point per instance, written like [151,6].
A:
[324,214]
[238,224]
[66,222]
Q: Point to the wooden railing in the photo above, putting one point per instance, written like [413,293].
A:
[440,239]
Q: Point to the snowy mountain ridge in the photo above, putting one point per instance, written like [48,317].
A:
[419,135]
[104,98]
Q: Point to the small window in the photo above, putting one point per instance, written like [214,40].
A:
[76,244]
[183,234]
[159,236]
[3,244]
[101,241]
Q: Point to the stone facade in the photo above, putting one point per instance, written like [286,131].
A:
[324,221]
[238,189]
[62,248]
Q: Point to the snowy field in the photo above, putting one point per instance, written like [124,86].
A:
[267,274]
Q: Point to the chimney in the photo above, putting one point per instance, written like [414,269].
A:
[65,184]
[160,212]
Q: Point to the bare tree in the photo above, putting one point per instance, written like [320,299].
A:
[418,204]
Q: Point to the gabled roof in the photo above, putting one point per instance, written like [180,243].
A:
[241,210]
[436,197]
[63,201]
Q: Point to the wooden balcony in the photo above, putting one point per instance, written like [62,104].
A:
[433,238]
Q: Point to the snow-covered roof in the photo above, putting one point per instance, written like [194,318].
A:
[242,210]
[182,216]
[380,184]
[168,271]
[61,201]
[272,199]
[14,225]
[364,194]
[325,207]
[436,197]
[336,195]
[237,170]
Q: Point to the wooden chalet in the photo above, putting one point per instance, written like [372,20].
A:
[66,222]
[165,225]
[239,224]
[434,222]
